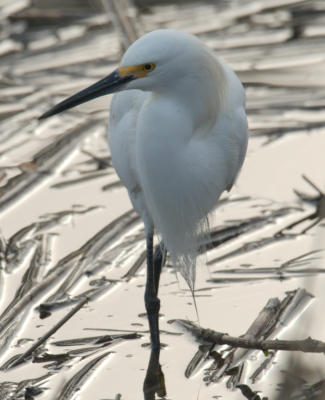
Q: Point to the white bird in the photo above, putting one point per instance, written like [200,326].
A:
[178,137]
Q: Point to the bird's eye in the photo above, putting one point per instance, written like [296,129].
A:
[148,67]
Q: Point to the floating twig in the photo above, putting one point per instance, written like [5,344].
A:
[307,345]
[23,357]
[79,378]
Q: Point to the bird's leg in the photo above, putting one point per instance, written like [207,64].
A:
[154,380]
[151,299]
[159,258]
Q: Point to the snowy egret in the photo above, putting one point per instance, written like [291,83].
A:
[178,140]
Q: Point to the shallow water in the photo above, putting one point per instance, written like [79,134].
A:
[68,230]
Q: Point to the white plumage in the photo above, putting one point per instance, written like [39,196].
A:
[179,139]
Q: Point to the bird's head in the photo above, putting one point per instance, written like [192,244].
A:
[154,61]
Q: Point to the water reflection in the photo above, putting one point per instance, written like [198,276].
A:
[154,382]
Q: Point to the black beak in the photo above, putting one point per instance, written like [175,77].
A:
[112,83]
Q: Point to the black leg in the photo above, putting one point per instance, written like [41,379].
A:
[151,300]
[154,380]
[159,258]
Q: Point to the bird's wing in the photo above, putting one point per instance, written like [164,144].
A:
[124,111]
[232,123]
[234,132]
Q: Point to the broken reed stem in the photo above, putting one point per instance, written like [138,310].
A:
[307,345]
[23,357]
[117,10]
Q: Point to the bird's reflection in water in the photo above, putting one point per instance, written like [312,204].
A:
[154,382]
